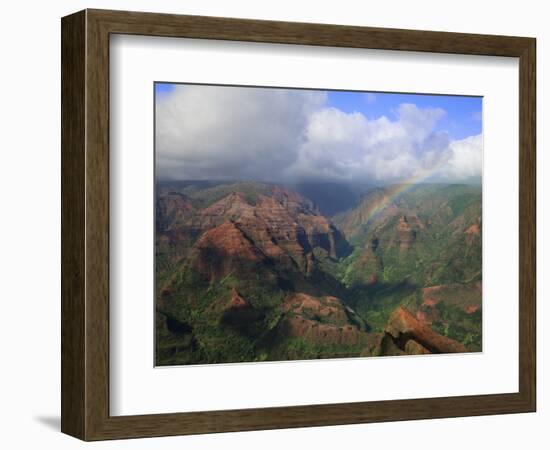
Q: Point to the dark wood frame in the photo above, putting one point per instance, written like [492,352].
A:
[85,224]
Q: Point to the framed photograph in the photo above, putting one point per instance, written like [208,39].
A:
[273,225]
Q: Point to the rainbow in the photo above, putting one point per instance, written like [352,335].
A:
[392,192]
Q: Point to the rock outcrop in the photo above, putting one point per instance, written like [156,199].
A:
[172,209]
[406,231]
[223,249]
[322,320]
[473,232]
[246,271]
[411,336]
[282,226]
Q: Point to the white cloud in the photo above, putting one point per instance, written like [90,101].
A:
[466,159]
[224,132]
[351,147]
[206,132]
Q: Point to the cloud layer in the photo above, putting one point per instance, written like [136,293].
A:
[208,132]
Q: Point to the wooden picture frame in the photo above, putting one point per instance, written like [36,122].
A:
[85,224]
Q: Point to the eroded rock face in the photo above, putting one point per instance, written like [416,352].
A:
[172,209]
[329,309]
[293,202]
[282,230]
[322,333]
[232,207]
[227,239]
[473,232]
[223,249]
[406,235]
[404,327]
[283,226]
[321,320]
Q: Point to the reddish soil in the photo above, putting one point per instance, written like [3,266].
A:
[402,325]
[405,234]
[463,296]
[473,229]
[329,307]
[236,301]
[320,320]
[228,240]
[284,226]
[323,333]
[430,302]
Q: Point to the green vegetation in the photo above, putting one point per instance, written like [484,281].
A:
[204,193]
[376,303]
[453,322]
[422,250]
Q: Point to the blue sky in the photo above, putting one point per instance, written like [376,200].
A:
[462,118]
[277,134]
[162,88]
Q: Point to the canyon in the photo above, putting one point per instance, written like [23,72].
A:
[249,271]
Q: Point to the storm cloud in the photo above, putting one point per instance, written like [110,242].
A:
[280,135]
